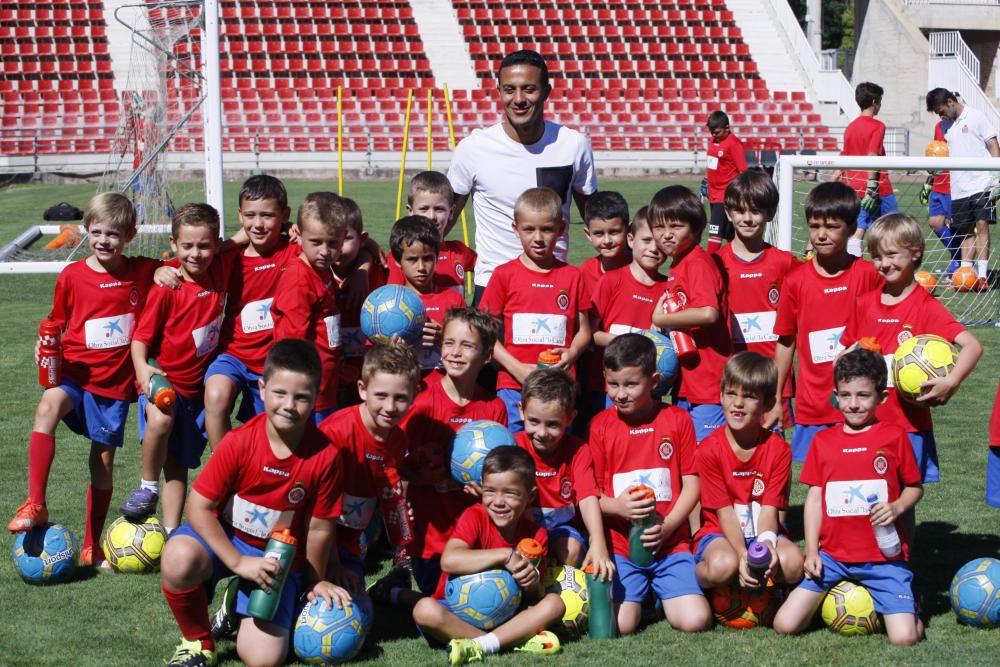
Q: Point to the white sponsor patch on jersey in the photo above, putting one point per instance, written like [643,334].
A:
[754,327]
[825,344]
[332,323]
[851,498]
[551,517]
[748,516]
[657,479]
[358,512]
[108,332]
[254,519]
[206,338]
[539,329]
[256,316]
[621,329]
[712,162]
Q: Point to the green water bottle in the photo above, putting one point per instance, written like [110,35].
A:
[601,622]
[637,552]
[263,604]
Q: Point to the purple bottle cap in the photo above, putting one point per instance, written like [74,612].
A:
[758,554]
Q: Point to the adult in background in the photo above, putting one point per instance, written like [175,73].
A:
[496,164]
[973,193]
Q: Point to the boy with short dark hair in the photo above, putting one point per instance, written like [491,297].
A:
[725,160]
[605,220]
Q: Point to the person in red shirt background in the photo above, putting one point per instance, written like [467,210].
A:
[726,159]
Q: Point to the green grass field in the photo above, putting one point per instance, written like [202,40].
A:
[122,620]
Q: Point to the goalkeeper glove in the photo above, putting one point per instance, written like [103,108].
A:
[703,190]
[925,191]
[871,202]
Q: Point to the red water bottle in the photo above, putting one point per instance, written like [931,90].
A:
[395,511]
[684,346]
[49,354]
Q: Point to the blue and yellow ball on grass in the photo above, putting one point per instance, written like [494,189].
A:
[46,554]
[485,600]
[134,547]
[975,593]
[332,636]
[848,609]
[470,446]
[393,310]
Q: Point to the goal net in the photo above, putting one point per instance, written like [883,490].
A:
[797,175]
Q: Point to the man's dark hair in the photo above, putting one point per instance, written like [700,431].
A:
[939,97]
[526,57]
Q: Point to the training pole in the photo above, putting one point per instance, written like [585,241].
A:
[469,291]
[402,157]
[340,141]
[430,98]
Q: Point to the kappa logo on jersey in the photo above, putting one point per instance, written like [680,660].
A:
[297,493]
[566,488]
[256,316]
[666,448]
[105,333]
[563,300]
[758,486]
[133,297]
[206,338]
[905,335]
[881,463]
[773,295]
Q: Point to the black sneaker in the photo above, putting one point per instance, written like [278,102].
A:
[380,591]
[224,619]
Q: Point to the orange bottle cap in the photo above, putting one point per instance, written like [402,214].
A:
[165,397]
[590,569]
[549,358]
[871,344]
[284,536]
[530,548]
[645,491]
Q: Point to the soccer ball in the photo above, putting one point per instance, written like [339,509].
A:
[134,547]
[964,278]
[936,148]
[919,359]
[571,585]
[46,554]
[666,361]
[332,636]
[927,279]
[975,593]
[393,310]
[742,608]
[849,610]
[485,600]
[471,445]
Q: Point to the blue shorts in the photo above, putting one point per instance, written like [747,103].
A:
[706,417]
[96,417]
[187,438]
[352,563]
[993,477]
[285,615]
[246,382]
[426,573]
[889,205]
[891,583]
[925,451]
[320,415]
[512,400]
[802,437]
[940,204]
[562,530]
[672,576]
[699,554]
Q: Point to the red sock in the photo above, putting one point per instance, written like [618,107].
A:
[41,453]
[98,501]
[714,243]
[190,609]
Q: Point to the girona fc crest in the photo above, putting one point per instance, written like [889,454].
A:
[666,449]
[881,464]
[563,300]
[758,486]
[133,297]
[904,335]
[566,488]
[773,295]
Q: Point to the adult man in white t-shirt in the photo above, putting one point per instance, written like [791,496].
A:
[496,164]
[973,193]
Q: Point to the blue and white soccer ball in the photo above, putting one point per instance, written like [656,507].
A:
[471,445]
[666,361]
[393,310]
[332,636]
[46,554]
[485,600]
[975,593]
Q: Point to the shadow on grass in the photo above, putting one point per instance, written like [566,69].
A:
[938,553]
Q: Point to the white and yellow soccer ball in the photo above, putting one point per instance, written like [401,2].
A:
[134,547]
[571,585]
[919,359]
[848,609]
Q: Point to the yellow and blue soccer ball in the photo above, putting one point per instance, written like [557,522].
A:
[570,584]
[975,593]
[393,310]
[919,359]
[485,600]
[134,547]
[46,554]
[471,445]
[848,609]
[667,364]
[332,636]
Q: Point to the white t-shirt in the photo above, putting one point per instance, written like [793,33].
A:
[495,170]
[967,138]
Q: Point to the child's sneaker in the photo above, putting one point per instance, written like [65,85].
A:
[28,516]
[380,591]
[462,651]
[189,653]
[224,619]
[544,643]
[94,557]
[141,503]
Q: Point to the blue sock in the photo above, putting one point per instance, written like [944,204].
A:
[952,243]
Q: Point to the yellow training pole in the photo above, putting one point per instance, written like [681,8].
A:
[340,141]
[430,96]
[402,161]
[465,224]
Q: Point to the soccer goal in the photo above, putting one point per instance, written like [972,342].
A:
[796,175]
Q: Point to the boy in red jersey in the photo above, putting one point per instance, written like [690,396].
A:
[275,472]
[641,441]
[373,447]
[745,472]
[677,220]
[180,329]
[725,160]
[564,473]
[247,329]
[754,271]
[486,538]
[542,301]
[846,466]
[305,305]
[97,301]
[431,196]
[816,301]
[900,310]
[415,243]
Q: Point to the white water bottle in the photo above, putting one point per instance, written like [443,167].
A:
[886,536]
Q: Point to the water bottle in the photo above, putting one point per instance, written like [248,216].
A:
[684,346]
[392,505]
[886,536]
[637,552]
[601,623]
[49,354]
[548,358]
[531,549]
[758,560]
[263,604]
[160,392]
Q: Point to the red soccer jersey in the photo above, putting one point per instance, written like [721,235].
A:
[248,328]
[864,136]
[538,309]
[848,468]
[592,270]
[97,313]
[365,460]
[430,426]
[305,307]
[942,180]
[725,161]
[563,480]
[657,453]
[918,313]
[698,282]
[815,309]
[746,486]
[352,341]
[590,364]
[624,304]
[455,260]
[257,492]
[181,326]
[437,304]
